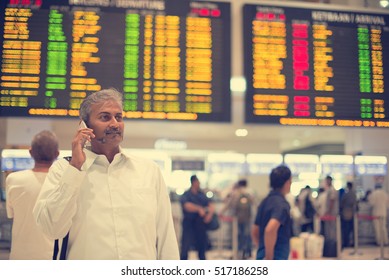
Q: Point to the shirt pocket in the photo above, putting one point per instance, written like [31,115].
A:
[144,200]
[143,195]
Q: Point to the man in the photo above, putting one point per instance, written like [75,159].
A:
[348,208]
[332,206]
[23,187]
[332,209]
[197,210]
[115,205]
[273,225]
[240,202]
[379,200]
[307,210]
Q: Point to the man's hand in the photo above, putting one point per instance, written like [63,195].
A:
[82,136]
[201,211]
[208,217]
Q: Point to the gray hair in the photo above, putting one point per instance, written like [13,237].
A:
[44,146]
[98,97]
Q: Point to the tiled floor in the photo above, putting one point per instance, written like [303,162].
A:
[363,253]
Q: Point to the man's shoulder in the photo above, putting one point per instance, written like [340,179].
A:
[186,193]
[274,198]
[186,196]
[60,163]
[18,176]
[18,173]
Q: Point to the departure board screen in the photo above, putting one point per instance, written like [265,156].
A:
[171,59]
[317,67]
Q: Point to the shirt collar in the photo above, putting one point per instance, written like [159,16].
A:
[91,157]
[276,192]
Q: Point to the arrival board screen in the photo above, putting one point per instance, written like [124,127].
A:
[171,59]
[316,67]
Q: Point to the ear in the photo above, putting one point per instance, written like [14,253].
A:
[56,154]
[31,153]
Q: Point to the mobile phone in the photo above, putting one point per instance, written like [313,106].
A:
[82,125]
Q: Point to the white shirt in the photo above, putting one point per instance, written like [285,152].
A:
[379,199]
[120,210]
[332,195]
[28,241]
[321,204]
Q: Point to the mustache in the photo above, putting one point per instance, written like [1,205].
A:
[113,131]
[109,131]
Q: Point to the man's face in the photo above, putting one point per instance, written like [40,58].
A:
[106,120]
[196,185]
[288,184]
[327,183]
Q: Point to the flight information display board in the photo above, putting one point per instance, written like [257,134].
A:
[318,67]
[171,59]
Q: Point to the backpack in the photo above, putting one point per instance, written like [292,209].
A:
[243,208]
[309,211]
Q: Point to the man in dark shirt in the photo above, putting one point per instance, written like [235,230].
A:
[198,211]
[348,208]
[273,225]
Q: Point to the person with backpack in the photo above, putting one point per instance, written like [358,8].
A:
[307,209]
[240,202]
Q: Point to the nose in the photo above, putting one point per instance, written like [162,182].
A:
[114,123]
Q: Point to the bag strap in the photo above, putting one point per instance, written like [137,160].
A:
[64,245]
[56,249]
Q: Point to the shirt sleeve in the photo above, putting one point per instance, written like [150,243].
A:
[280,212]
[57,201]
[257,220]
[167,246]
[8,202]
[184,198]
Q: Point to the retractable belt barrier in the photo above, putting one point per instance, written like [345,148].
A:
[226,219]
[366,217]
[357,218]
[234,237]
[328,218]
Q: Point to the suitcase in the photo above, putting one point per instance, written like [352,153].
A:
[315,245]
[297,248]
[329,249]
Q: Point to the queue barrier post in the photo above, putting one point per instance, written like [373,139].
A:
[234,238]
[221,235]
[220,238]
[316,224]
[338,238]
[356,236]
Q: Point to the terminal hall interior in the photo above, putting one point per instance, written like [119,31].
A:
[231,126]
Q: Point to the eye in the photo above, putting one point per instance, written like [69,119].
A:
[105,117]
[119,118]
